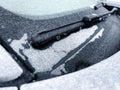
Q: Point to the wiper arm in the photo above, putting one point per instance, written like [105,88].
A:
[56,34]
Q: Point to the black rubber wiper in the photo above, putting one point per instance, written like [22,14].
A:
[56,34]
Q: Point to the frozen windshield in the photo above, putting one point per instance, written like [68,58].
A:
[44,7]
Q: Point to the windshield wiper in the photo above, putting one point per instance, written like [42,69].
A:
[56,34]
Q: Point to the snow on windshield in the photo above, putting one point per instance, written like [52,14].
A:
[44,7]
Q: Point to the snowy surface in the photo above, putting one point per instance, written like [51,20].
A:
[9,69]
[102,76]
[44,60]
[18,44]
[9,88]
[44,8]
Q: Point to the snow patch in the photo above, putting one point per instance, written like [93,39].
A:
[59,69]
[94,14]
[92,6]
[117,85]
[8,88]
[98,35]
[9,69]
[17,45]
[9,40]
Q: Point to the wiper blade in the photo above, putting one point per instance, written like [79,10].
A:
[56,34]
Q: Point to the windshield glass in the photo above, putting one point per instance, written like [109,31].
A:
[42,8]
